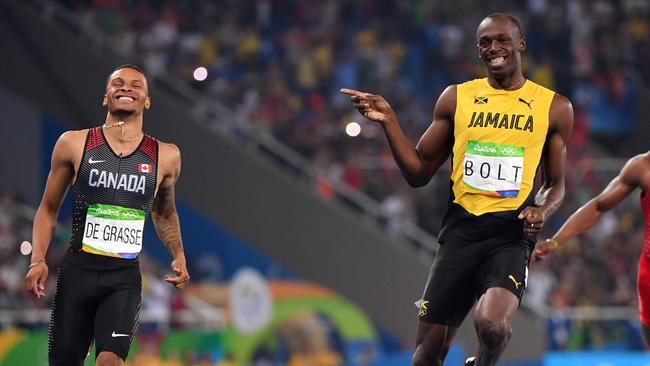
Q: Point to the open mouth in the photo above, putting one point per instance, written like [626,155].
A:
[125,98]
[497,61]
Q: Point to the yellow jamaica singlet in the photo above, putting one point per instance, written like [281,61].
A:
[499,139]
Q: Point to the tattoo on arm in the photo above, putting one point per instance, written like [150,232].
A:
[166,220]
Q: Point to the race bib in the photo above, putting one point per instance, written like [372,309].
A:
[113,231]
[493,169]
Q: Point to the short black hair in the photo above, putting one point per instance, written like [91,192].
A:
[511,18]
[128,66]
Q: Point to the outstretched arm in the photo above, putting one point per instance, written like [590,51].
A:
[58,181]
[551,194]
[588,215]
[165,217]
[419,163]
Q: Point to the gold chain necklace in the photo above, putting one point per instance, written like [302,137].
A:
[120,124]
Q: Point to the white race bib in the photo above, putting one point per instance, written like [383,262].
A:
[493,169]
[113,231]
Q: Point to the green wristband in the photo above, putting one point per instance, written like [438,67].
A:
[553,241]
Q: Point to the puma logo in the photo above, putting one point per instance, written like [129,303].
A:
[517,284]
[526,103]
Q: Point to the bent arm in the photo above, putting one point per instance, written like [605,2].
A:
[419,164]
[551,194]
[163,213]
[589,214]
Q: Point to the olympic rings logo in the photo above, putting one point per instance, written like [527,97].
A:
[130,215]
[507,150]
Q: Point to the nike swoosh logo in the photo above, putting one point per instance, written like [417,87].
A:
[114,335]
[91,161]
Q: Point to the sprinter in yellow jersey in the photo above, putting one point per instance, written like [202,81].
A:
[500,131]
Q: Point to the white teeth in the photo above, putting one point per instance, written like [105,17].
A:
[497,60]
[125,99]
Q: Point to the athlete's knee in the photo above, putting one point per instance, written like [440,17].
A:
[423,358]
[421,361]
[493,333]
[445,350]
[108,359]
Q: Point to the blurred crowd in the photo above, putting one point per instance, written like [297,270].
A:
[13,228]
[280,64]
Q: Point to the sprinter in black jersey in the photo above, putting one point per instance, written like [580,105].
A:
[118,176]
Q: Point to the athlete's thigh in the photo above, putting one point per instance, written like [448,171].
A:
[505,265]
[118,311]
[73,311]
[449,293]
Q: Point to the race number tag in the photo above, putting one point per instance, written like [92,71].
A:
[493,169]
[113,231]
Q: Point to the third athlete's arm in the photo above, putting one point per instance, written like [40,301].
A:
[588,215]
[165,217]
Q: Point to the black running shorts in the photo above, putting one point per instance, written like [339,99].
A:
[93,305]
[463,271]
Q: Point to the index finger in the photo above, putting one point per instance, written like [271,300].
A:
[31,287]
[34,289]
[353,92]
[172,279]
[30,284]
[178,282]
[526,213]
[179,277]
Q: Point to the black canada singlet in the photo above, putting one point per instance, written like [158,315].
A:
[112,196]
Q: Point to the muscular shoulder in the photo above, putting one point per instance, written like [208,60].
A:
[169,151]
[446,104]
[636,171]
[73,137]
[70,144]
[561,116]
[170,157]
[561,108]
[449,92]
